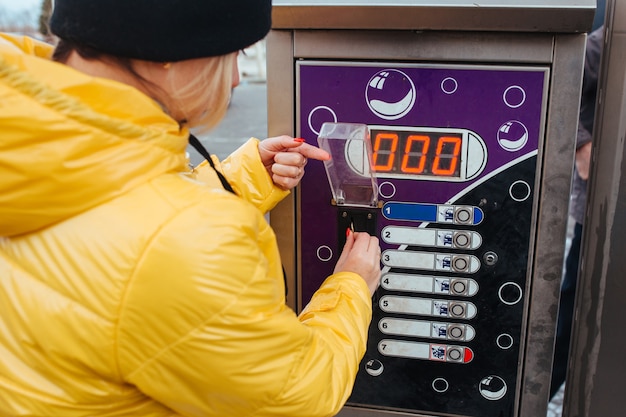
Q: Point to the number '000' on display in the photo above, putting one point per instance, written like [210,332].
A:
[427,153]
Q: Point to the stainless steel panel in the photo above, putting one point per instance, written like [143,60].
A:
[425,46]
[551,230]
[486,15]
[280,121]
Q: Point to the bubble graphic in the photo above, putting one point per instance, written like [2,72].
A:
[512,135]
[390,94]
[492,388]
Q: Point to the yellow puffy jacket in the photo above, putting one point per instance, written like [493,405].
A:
[130,286]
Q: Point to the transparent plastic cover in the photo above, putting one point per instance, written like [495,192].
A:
[349,171]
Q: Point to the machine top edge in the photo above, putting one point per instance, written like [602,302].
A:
[554,16]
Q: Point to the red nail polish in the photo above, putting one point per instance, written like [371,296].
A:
[299,140]
[347,231]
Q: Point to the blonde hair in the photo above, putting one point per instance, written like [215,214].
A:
[203,100]
[199,103]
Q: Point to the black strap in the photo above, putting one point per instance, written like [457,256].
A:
[193,141]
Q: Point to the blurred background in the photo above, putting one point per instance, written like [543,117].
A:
[25,16]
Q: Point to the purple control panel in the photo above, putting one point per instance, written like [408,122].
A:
[455,151]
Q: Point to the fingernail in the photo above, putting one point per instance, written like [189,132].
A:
[299,140]
[348,231]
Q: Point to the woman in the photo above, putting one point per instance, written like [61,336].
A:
[131,284]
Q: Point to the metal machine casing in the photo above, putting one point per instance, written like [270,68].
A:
[449,64]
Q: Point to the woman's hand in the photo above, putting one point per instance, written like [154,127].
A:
[361,255]
[285,157]
[583,157]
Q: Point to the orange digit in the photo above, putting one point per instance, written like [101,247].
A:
[453,157]
[390,153]
[421,154]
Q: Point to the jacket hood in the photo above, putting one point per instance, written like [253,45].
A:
[70,141]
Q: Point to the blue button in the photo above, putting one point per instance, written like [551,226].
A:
[410,211]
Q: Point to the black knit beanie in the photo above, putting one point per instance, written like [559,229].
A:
[162,30]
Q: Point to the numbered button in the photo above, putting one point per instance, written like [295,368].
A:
[460,263]
[457,309]
[456,332]
[462,240]
[463,215]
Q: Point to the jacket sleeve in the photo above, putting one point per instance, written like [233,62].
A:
[205,329]
[593,54]
[246,174]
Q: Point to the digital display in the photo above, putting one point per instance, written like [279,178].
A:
[416,152]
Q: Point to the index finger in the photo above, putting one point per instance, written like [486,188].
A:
[312,152]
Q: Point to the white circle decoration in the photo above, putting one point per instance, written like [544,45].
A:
[449,85]
[317,109]
[514,96]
